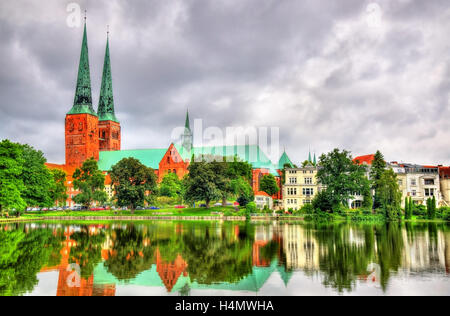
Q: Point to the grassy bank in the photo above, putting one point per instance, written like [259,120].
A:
[213,211]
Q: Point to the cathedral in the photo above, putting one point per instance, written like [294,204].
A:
[98,134]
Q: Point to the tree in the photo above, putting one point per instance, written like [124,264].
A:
[203,182]
[238,175]
[132,181]
[367,194]
[36,177]
[11,184]
[58,188]
[170,186]
[324,201]
[389,194]
[268,184]
[242,189]
[431,208]
[340,176]
[376,171]
[90,181]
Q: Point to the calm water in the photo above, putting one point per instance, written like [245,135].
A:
[213,258]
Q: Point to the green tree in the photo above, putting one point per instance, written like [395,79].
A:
[11,184]
[58,189]
[242,189]
[132,181]
[376,171]
[340,176]
[268,184]
[367,194]
[36,177]
[170,186]
[407,205]
[389,194]
[431,208]
[203,183]
[90,181]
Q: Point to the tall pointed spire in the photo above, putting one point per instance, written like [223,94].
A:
[187,124]
[106,100]
[309,156]
[83,97]
[315,161]
[187,138]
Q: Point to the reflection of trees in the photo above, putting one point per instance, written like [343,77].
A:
[213,257]
[343,259]
[22,256]
[130,254]
[214,260]
[389,250]
[88,250]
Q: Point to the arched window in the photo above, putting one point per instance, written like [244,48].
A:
[175,171]
[168,159]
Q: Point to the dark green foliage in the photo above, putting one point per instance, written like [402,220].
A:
[11,183]
[408,208]
[170,186]
[132,182]
[376,171]
[205,182]
[268,184]
[36,177]
[324,201]
[431,208]
[58,189]
[90,181]
[389,195]
[341,176]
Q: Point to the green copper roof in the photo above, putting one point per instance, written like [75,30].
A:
[250,153]
[149,157]
[106,100]
[251,282]
[314,159]
[83,98]
[284,159]
[309,157]
[186,124]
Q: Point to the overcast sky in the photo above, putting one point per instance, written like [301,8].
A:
[353,74]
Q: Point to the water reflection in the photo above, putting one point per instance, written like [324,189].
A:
[192,258]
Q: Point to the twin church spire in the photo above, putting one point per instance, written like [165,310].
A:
[82,103]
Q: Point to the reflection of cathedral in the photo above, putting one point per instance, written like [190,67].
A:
[274,249]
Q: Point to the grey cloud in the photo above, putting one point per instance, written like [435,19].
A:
[236,63]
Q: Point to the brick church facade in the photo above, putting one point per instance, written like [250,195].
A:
[98,135]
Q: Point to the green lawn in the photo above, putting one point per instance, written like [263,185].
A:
[161,212]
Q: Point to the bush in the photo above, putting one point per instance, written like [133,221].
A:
[323,201]
[307,209]
[251,208]
[419,210]
[243,200]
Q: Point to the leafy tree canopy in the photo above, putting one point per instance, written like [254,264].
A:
[268,184]
[340,176]
[90,181]
[11,184]
[132,182]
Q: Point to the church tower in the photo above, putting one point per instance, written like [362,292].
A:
[81,125]
[108,125]
[187,138]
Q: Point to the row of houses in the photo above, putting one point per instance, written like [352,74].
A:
[420,182]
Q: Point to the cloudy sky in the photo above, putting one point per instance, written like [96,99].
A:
[353,74]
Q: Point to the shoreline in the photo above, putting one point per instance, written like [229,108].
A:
[184,218]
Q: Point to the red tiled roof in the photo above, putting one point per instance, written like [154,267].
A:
[364,159]
[444,171]
[261,193]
